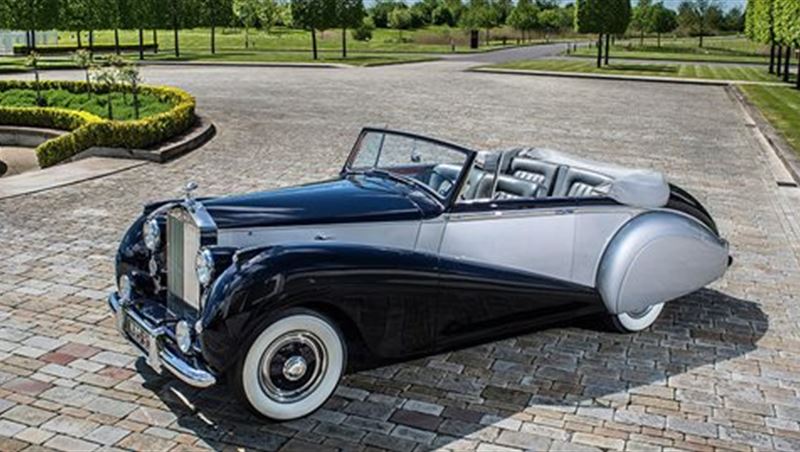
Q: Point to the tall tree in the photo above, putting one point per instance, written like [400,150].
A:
[216,13]
[181,14]
[603,17]
[642,16]
[699,17]
[349,14]
[787,31]
[524,18]
[314,15]
[662,20]
[760,26]
[479,14]
[249,14]
[32,15]
[400,19]
[502,9]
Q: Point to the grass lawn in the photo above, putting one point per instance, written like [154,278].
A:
[715,49]
[700,71]
[781,106]
[435,39]
[357,59]
[96,104]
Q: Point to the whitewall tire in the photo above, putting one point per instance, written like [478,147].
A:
[636,321]
[292,367]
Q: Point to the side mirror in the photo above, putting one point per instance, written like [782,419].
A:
[415,156]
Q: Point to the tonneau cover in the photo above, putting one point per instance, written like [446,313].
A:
[630,186]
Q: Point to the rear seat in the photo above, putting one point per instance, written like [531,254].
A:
[538,172]
[508,187]
[577,183]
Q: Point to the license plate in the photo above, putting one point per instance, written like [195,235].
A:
[137,333]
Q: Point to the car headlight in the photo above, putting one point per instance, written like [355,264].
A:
[124,288]
[204,266]
[152,235]
[183,336]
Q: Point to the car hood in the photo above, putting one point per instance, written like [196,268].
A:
[350,199]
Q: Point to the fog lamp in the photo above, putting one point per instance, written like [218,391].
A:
[183,336]
[124,288]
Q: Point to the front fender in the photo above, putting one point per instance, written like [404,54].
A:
[656,257]
[355,284]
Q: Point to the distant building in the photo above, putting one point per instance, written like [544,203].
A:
[9,38]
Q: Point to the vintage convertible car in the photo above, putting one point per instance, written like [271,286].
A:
[417,246]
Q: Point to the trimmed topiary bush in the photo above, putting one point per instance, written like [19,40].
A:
[87,130]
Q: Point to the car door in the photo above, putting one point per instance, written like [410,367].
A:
[502,262]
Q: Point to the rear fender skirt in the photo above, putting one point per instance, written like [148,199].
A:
[656,257]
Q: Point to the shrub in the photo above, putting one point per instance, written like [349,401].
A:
[364,31]
[87,130]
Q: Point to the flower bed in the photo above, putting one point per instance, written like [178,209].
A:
[88,130]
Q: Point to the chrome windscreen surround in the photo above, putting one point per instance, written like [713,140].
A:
[189,228]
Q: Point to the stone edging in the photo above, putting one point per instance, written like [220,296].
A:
[774,139]
[627,78]
[203,131]
[27,136]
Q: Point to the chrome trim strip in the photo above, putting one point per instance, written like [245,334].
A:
[158,355]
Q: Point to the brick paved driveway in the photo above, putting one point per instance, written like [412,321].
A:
[721,369]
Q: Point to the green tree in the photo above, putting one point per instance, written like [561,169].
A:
[381,10]
[642,18]
[787,30]
[32,15]
[84,60]
[760,26]
[216,13]
[479,14]
[251,13]
[733,20]
[32,61]
[314,15]
[349,14]
[180,14]
[699,17]
[442,15]
[502,9]
[602,17]
[524,18]
[552,20]
[663,20]
[400,19]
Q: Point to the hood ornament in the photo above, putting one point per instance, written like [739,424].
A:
[187,192]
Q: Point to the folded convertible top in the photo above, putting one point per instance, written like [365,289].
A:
[630,186]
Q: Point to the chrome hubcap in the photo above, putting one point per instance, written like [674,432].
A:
[292,367]
[640,313]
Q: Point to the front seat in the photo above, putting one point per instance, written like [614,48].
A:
[578,183]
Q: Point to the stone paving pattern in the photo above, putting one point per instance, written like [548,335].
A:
[720,369]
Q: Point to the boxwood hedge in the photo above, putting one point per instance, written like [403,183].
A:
[87,130]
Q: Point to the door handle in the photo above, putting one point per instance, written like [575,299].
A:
[322,237]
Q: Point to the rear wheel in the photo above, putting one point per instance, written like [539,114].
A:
[631,322]
[292,367]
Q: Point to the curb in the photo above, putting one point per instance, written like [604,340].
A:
[626,78]
[772,138]
[674,60]
[287,64]
[201,133]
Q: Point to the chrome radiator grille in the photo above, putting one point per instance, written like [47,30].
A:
[183,242]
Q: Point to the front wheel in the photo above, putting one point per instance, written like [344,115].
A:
[292,367]
[632,322]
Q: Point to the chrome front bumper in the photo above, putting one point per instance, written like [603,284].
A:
[157,355]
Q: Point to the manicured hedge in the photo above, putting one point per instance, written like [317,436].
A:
[88,130]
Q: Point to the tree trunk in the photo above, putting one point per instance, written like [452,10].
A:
[488,38]
[772,58]
[33,39]
[213,39]
[641,39]
[314,43]
[344,42]
[91,41]
[155,40]
[246,38]
[28,40]
[79,40]
[110,108]
[177,43]
[779,71]
[798,70]
[141,44]
[701,39]
[659,40]
[116,41]
[600,50]
[787,64]
[608,39]
[38,88]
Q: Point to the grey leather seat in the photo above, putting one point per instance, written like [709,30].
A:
[508,187]
[538,172]
[443,178]
[578,183]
